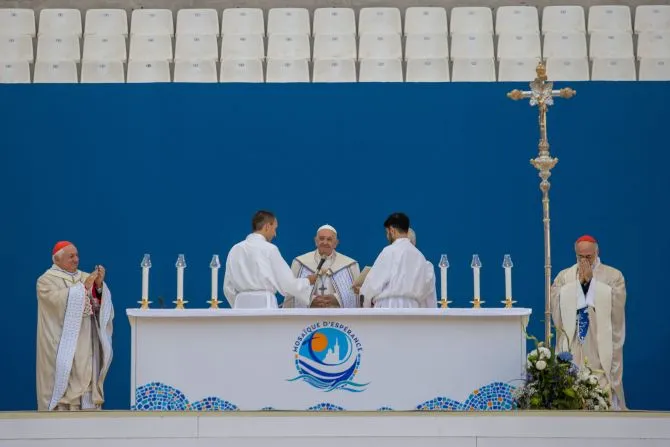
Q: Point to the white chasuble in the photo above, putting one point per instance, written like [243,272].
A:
[256,271]
[400,277]
[74,348]
[592,327]
[337,276]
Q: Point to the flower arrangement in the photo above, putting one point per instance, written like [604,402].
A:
[554,382]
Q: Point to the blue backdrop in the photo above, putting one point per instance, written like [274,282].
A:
[169,169]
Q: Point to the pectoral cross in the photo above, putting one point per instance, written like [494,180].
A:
[542,94]
[323,286]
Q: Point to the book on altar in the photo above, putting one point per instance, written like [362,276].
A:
[358,282]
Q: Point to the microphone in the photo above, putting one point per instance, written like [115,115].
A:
[318,269]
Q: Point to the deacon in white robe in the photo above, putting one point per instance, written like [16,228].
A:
[74,334]
[333,287]
[588,309]
[400,277]
[256,271]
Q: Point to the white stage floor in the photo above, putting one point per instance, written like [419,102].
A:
[350,429]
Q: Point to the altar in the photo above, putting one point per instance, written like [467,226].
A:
[326,359]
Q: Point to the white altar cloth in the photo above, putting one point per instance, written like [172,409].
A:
[326,359]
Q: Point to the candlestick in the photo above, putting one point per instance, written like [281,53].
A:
[181,265]
[476,265]
[444,265]
[215,265]
[146,265]
[507,265]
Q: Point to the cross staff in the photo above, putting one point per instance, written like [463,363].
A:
[542,95]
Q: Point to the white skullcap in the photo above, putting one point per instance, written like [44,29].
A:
[327,227]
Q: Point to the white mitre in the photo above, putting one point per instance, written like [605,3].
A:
[327,227]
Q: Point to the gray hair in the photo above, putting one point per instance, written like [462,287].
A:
[412,236]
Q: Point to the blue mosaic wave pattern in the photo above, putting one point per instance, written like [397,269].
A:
[156,396]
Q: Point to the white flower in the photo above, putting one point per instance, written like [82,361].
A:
[532,354]
[545,353]
[529,364]
[593,380]
[596,408]
[540,365]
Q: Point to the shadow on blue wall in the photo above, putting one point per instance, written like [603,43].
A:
[169,169]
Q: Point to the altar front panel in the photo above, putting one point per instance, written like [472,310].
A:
[335,359]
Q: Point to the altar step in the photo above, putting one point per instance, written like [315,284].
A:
[346,429]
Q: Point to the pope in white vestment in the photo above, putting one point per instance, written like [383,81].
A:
[74,334]
[256,271]
[336,275]
[400,277]
[588,309]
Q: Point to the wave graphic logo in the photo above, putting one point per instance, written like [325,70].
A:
[328,356]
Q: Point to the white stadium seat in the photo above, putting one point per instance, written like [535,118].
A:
[17,22]
[425,20]
[150,48]
[561,19]
[196,48]
[14,73]
[288,21]
[195,71]
[58,48]
[427,46]
[655,69]
[343,70]
[238,46]
[148,71]
[287,71]
[64,72]
[652,18]
[201,22]
[105,48]
[380,46]
[517,70]
[568,69]
[106,22]
[610,45]
[471,46]
[97,72]
[380,70]
[379,21]
[289,47]
[244,21]
[473,70]
[471,19]
[427,70]
[610,18]
[613,70]
[519,46]
[517,20]
[242,71]
[60,22]
[564,45]
[335,46]
[152,22]
[332,21]
[16,49]
[653,44]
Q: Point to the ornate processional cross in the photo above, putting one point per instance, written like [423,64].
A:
[542,95]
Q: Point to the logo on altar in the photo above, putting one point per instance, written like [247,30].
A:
[327,356]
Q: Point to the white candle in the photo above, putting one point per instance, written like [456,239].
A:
[443,281]
[475,271]
[508,282]
[180,283]
[215,283]
[145,282]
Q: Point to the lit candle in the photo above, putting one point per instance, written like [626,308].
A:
[507,265]
[214,265]
[444,264]
[476,265]
[181,264]
[146,265]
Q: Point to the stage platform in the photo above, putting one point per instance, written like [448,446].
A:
[331,429]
